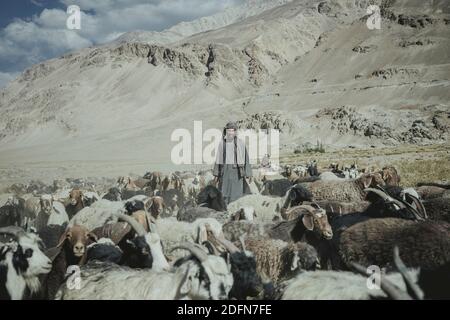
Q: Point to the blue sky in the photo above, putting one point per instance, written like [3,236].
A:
[32,31]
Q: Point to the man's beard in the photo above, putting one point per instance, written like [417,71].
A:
[229,137]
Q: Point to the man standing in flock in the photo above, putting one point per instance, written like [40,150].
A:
[232,166]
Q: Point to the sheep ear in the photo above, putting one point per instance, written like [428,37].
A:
[254,214]
[67,235]
[236,215]
[202,234]
[367,181]
[185,287]
[308,221]
[92,236]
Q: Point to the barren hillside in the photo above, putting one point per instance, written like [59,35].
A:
[313,65]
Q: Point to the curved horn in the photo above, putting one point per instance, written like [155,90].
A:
[413,288]
[13,231]
[196,251]
[228,245]
[387,286]
[133,223]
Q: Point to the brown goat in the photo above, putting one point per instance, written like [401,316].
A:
[390,176]
[71,250]
[76,202]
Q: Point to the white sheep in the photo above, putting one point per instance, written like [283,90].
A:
[173,232]
[266,207]
[98,214]
[337,285]
[105,281]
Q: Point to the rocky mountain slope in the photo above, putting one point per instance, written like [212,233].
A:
[312,68]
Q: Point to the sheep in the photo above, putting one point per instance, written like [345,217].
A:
[330,176]
[266,207]
[98,214]
[173,200]
[335,285]
[104,250]
[172,232]
[190,214]
[51,213]
[21,264]
[432,192]
[202,277]
[423,244]
[114,194]
[311,227]
[247,282]
[279,260]
[126,183]
[211,197]
[347,191]
[339,208]
[277,187]
[438,209]
[71,250]
[245,213]
[390,176]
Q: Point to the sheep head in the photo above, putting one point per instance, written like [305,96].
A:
[76,197]
[209,277]
[316,220]
[245,213]
[46,202]
[77,239]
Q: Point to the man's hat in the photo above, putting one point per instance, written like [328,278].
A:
[231,125]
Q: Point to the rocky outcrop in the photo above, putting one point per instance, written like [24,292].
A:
[266,120]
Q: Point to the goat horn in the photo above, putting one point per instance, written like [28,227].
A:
[196,251]
[13,231]
[386,197]
[413,288]
[242,240]
[133,223]
[387,286]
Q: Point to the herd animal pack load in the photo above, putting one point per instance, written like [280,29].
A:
[299,235]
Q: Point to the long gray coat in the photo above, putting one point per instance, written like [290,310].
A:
[233,185]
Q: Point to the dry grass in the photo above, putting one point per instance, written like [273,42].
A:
[414,172]
[415,163]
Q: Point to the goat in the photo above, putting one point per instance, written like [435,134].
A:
[76,202]
[71,250]
[202,277]
[211,197]
[51,213]
[21,264]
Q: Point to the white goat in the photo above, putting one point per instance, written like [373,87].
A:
[21,262]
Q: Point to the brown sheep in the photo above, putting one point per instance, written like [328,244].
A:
[71,250]
[345,191]
[423,244]
[390,176]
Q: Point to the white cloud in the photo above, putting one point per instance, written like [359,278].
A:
[44,36]
[5,78]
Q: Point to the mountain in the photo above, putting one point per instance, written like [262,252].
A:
[311,68]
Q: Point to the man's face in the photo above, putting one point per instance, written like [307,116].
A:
[231,133]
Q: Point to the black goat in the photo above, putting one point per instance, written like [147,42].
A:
[211,197]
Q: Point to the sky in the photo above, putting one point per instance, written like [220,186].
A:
[32,31]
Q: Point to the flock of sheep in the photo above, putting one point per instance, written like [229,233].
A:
[299,235]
